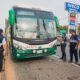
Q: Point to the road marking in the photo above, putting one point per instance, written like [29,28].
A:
[75,65]
[71,63]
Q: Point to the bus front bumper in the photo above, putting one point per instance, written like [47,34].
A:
[23,54]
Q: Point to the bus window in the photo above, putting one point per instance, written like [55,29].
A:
[47,28]
[50,27]
[26,28]
[42,30]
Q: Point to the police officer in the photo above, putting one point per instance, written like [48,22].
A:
[63,46]
[73,46]
[2,48]
[79,45]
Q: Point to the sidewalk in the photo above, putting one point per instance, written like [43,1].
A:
[2,74]
[9,72]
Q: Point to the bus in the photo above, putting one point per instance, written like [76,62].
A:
[32,32]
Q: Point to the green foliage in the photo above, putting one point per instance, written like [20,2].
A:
[79,28]
[63,28]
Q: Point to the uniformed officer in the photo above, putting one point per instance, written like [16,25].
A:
[73,46]
[2,48]
[79,45]
[63,46]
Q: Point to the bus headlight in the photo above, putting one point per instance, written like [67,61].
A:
[45,50]
[21,48]
[19,45]
[34,51]
[18,54]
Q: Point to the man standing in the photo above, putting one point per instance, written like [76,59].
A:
[63,46]
[2,48]
[73,46]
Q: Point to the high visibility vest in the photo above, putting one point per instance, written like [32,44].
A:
[73,40]
[1,39]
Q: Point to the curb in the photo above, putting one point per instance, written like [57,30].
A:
[9,71]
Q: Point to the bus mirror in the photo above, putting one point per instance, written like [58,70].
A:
[56,21]
[11,18]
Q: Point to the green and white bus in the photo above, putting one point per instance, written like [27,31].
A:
[33,32]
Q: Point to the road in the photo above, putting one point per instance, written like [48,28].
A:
[49,68]
[58,54]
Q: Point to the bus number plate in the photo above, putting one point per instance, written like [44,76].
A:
[39,51]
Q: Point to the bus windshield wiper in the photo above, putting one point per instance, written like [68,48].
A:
[38,30]
[47,34]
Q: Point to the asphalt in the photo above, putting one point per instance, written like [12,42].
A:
[59,54]
[48,68]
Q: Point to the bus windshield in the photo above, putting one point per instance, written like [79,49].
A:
[33,28]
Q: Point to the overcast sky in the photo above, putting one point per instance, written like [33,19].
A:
[56,6]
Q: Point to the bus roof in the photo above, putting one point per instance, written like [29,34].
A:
[31,6]
[37,12]
[27,8]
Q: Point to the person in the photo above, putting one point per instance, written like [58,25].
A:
[2,48]
[74,46]
[79,50]
[63,46]
[79,45]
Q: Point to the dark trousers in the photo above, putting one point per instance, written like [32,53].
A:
[63,46]
[73,51]
[79,53]
[1,60]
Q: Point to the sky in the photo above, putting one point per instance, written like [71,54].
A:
[56,6]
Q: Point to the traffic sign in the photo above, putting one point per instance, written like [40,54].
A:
[72,7]
[72,18]
[72,23]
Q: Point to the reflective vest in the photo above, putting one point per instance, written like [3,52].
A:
[73,40]
[1,39]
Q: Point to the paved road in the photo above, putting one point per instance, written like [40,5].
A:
[67,54]
[49,68]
